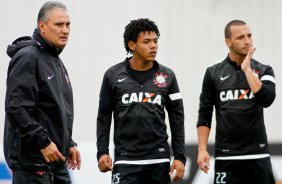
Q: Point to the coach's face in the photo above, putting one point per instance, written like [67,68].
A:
[241,40]
[57,27]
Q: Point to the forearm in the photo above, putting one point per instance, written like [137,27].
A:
[178,146]
[253,81]
[103,132]
[203,136]
[176,120]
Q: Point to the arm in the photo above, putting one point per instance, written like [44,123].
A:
[21,96]
[104,117]
[203,155]
[74,158]
[207,101]
[175,109]
[266,95]
[264,88]
[254,83]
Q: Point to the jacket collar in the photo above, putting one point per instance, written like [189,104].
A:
[46,45]
[232,63]
[126,61]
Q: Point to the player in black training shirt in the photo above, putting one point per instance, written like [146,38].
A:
[137,91]
[239,87]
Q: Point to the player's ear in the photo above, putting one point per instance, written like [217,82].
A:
[228,42]
[131,44]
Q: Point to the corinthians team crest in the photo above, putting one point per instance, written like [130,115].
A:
[160,79]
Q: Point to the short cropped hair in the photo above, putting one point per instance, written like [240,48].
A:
[227,32]
[49,5]
[135,27]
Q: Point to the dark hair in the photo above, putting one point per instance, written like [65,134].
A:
[49,5]
[227,32]
[135,27]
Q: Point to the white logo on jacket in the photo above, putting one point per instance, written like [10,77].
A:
[142,97]
[50,77]
[120,80]
[237,94]
[223,78]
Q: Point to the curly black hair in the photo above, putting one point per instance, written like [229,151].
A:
[135,27]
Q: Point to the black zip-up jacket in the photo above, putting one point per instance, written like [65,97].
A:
[139,114]
[39,104]
[240,128]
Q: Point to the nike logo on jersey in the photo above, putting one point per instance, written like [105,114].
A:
[50,77]
[120,80]
[237,94]
[223,78]
[141,97]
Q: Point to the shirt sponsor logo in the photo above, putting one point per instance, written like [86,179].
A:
[237,94]
[142,97]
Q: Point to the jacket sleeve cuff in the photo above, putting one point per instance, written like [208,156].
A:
[73,144]
[99,154]
[181,158]
[43,143]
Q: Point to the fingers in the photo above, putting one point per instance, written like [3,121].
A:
[252,50]
[250,53]
[78,158]
[71,162]
[204,167]
[74,160]
[179,169]
[105,163]
[171,169]
[46,159]
[179,173]
[56,157]
[51,153]
[204,161]
[60,157]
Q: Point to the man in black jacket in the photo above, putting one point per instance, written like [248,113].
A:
[137,91]
[239,87]
[38,143]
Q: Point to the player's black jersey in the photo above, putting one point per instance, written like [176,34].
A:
[139,114]
[240,126]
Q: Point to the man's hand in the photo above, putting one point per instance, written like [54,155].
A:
[180,169]
[105,163]
[204,161]
[74,158]
[246,65]
[51,153]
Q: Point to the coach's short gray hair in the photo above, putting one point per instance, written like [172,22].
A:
[49,5]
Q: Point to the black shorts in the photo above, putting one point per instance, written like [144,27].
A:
[141,174]
[253,171]
[42,177]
